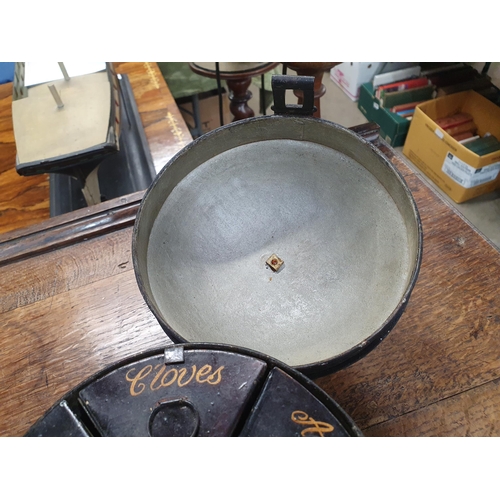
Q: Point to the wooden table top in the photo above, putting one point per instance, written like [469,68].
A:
[70,306]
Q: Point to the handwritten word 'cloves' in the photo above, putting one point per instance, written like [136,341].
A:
[158,376]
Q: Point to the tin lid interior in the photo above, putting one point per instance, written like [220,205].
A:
[303,193]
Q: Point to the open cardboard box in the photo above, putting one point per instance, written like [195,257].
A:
[459,172]
[393,128]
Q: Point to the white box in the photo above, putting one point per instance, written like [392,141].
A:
[349,76]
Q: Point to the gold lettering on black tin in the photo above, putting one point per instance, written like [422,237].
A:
[315,427]
[158,377]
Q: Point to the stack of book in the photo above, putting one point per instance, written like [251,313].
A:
[462,128]
[401,91]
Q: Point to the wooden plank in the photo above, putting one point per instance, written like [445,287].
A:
[56,343]
[471,413]
[24,201]
[69,229]
[74,217]
[30,280]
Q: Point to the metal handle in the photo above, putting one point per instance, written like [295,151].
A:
[281,83]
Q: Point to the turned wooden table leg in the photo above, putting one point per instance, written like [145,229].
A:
[319,89]
[317,70]
[238,77]
[239,95]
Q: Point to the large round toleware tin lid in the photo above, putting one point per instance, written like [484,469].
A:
[197,390]
[288,235]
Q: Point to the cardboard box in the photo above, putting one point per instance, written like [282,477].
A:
[209,110]
[349,76]
[393,128]
[459,172]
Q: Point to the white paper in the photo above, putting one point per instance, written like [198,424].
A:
[36,73]
[468,176]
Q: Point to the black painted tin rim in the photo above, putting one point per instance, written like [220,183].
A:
[355,353]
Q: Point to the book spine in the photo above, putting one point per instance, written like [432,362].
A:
[405,96]
[396,76]
[459,129]
[464,136]
[398,86]
[468,139]
[454,121]
[402,107]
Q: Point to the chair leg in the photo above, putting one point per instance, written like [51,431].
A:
[197,131]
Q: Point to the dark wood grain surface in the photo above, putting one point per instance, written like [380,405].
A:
[68,310]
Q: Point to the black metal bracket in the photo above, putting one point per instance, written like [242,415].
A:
[282,83]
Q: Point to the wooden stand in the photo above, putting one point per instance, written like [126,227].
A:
[238,77]
[24,200]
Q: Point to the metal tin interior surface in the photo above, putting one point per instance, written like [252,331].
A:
[313,194]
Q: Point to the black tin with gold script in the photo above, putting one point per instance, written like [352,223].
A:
[197,390]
